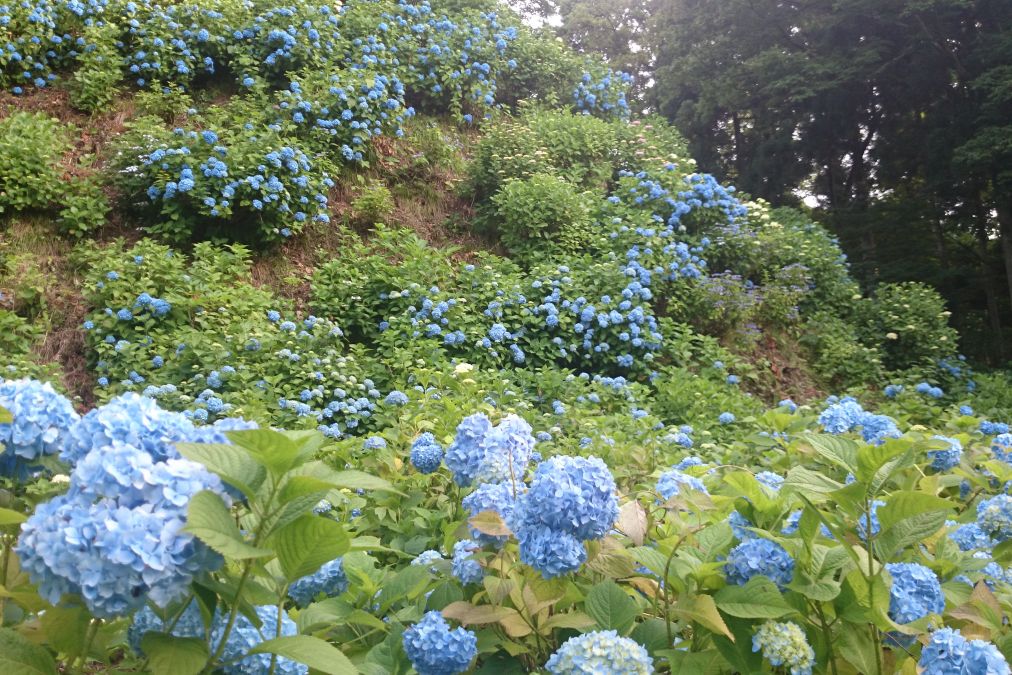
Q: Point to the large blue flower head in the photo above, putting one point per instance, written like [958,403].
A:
[116,538]
[1001,447]
[759,557]
[508,450]
[784,644]
[848,415]
[872,518]
[970,537]
[497,497]
[600,652]
[329,580]
[915,592]
[673,481]
[216,433]
[464,565]
[994,516]
[772,481]
[245,636]
[434,649]
[550,552]
[42,420]
[949,653]
[943,460]
[189,624]
[133,419]
[466,454]
[575,495]
[426,453]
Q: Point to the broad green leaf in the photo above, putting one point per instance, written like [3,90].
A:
[812,483]
[737,650]
[21,657]
[9,517]
[611,607]
[406,584]
[209,520]
[904,504]
[703,610]
[273,449]
[66,628]
[871,458]
[713,539]
[308,487]
[442,595]
[171,655]
[758,599]
[838,450]
[575,620]
[5,416]
[316,653]
[908,531]
[230,462]
[707,662]
[651,634]
[355,480]
[856,646]
[307,543]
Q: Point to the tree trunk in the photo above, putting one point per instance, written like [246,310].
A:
[987,282]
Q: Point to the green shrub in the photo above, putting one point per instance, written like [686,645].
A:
[31,150]
[908,323]
[373,204]
[836,353]
[94,83]
[537,212]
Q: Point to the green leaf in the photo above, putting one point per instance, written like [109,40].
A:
[316,653]
[21,657]
[442,595]
[209,520]
[838,450]
[66,629]
[354,480]
[9,517]
[908,531]
[5,416]
[307,543]
[171,655]
[651,634]
[812,483]
[758,599]
[273,449]
[904,504]
[707,662]
[611,607]
[703,610]
[230,462]
[857,647]
[406,584]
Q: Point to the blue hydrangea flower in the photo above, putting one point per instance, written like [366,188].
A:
[465,567]
[41,425]
[759,557]
[466,454]
[784,644]
[1001,447]
[397,398]
[949,653]
[740,526]
[671,483]
[496,497]
[600,652]
[508,450]
[862,522]
[994,516]
[374,443]
[575,495]
[550,552]
[189,624]
[770,480]
[970,537]
[434,649]
[245,636]
[915,592]
[790,405]
[726,418]
[329,580]
[943,460]
[427,558]
[426,453]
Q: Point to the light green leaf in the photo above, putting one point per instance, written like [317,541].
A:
[839,451]
[209,520]
[758,599]
[812,483]
[703,610]
[611,607]
[9,517]
[316,653]
[231,463]
[272,449]
[307,543]
[171,655]
[901,505]
[18,655]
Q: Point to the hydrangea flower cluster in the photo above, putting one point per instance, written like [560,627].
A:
[497,497]
[116,538]
[759,557]
[915,592]
[943,460]
[949,653]
[994,516]
[784,644]
[329,580]
[434,649]
[847,415]
[245,636]
[600,652]
[41,426]
[426,453]
[498,454]
[570,500]
[1001,447]
[604,95]
[465,567]
[673,481]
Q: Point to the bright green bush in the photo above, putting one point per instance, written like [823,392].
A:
[540,213]
[908,323]
[31,151]
[373,204]
[836,353]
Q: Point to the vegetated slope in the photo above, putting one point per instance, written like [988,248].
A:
[410,226]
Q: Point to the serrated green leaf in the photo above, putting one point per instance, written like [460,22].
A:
[308,542]
[611,607]
[839,451]
[18,655]
[208,519]
[757,599]
[231,463]
[171,655]
[316,653]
